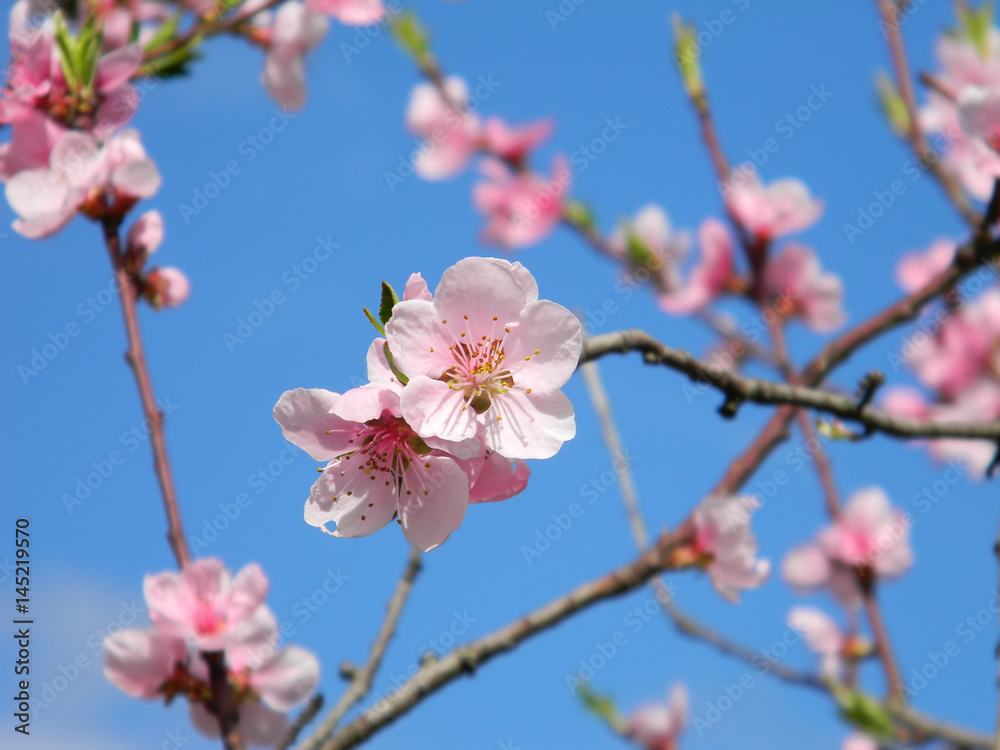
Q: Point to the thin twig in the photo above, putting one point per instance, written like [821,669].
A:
[136,358]
[361,681]
[310,712]
[915,134]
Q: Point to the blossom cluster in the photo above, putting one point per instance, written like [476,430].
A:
[955,355]
[465,384]
[520,206]
[199,615]
[791,283]
[68,97]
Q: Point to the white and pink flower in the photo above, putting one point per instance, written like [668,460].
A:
[451,133]
[783,207]
[710,277]
[487,356]
[296,29]
[723,538]
[657,726]
[378,466]
[651,249]
[203,604]
[521,208]
[794,278]
[82,175]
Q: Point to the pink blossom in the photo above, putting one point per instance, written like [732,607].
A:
[487,352]
[722,533]
[858,741]
[139,662]
[963,65]
[513,144]
[520,208]
[82,175]
[350,12]
[980,402]
[203,604]
[915,270]
[807,568]
[658,725]
[167,287]
[666,249]
[34,99]
[710,276]
[816,297]
[296,29]
[269,682]
[870,533]
[964,349]
[979,114]
[451,132]
[378,466]
[145,234]
[783,207]
[821,635]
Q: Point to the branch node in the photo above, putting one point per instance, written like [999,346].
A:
[731,405]
[867,387]
[348,671]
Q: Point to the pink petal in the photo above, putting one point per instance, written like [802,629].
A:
[342,495]
[806,567]
[434,409]
[437,505]
[287,679]
[531,425]
[305,419]
[556,335]
[140,661]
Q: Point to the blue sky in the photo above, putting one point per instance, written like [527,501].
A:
[322,178]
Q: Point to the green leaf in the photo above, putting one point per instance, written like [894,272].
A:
[392,364]
[601,706]
[67,51]
[165,33]
[410,35]
[374,321]
[865,712]
[389,300]
[977,23]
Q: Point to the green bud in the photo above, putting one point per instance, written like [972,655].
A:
[686,55]
[893,106]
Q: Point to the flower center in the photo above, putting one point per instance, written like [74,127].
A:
[479,371]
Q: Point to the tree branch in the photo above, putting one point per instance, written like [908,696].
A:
[361,682]
[739,388]
[464,660]
[136,358]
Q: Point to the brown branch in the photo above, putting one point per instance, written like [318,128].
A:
[128,293]
[222,704]
[361,681]
[915,134]
[464,660]
[739,388]
[206,30]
